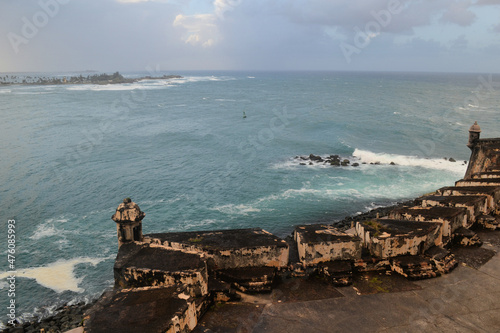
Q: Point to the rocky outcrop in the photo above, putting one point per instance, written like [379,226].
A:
[333,160]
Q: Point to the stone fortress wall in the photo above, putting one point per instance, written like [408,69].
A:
[165,282]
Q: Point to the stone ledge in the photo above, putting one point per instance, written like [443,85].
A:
[320,243]
[142,265]
[229,248]
[387,238]
[153,309]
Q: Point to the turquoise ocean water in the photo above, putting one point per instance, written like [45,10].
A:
[182,150]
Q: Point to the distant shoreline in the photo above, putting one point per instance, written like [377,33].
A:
[99,79]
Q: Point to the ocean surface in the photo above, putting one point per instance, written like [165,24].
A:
[182,150]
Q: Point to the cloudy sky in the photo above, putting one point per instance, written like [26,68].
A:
[175,35]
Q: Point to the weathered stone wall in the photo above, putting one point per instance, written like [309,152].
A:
[317,244]
[449,222]
[483,156]
[223,250]
[142,265]
[383,244]
[492,193]
[186,321]
[132,277]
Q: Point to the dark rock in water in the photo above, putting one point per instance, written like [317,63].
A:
[311,163]
[355,164]
[304,158]
[335,163]
[392,163]
[452,159]
[376,163]
[302,164]
[465,162]
[364,163]
[315,158]
[345,162]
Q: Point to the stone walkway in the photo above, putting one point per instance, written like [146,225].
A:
[466,300]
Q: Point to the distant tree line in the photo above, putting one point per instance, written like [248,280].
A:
[114,78]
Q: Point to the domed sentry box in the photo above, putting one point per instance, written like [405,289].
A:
[128,218]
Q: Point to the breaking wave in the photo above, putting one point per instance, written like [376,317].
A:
[58,276]
[366,156]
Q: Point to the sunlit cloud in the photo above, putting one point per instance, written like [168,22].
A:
[459,13]
[139,1]
[203,29]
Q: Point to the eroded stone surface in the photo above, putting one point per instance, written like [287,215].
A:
[451,218]
[250,279]
[414,267]
[339,272]
[229,248]
[386,238]
[159,309]
[319,243]
[475,204]
[141,265]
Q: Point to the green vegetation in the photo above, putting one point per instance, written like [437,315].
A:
[195,240]
[115,78]
[375,225]
[377,284]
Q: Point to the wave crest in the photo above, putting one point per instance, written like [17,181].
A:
[366,156]
[58,276]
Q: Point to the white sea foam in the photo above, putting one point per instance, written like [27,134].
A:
[58,276]
[294,163]
[114,87]
[192,224]
[404,160]
[48,228]
[240,209]
[44,230]
[261,204]
[145,84]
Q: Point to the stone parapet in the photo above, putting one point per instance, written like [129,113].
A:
[386,238]
[451,218]
[229,248]
[320,243]
[141,265]
[149,309]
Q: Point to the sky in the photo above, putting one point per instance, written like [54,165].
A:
[175,35]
